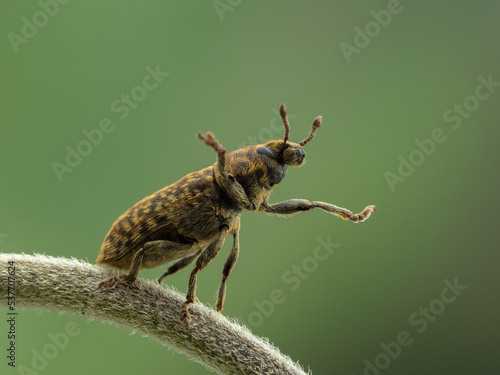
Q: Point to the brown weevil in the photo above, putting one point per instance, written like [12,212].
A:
[190,219]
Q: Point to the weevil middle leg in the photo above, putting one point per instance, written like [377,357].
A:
[226,271]
[177,266]
[203,260]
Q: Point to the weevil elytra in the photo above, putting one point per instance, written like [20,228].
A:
[190,219]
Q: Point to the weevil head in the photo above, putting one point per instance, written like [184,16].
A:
[284,152]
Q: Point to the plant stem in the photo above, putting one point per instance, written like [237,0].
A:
[70,286]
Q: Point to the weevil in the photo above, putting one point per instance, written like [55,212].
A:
[190,219]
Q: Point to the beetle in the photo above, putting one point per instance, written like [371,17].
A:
[190,219]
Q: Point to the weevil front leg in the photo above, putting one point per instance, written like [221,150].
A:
[236,192]
[226,180]
[294,206]
[205,257]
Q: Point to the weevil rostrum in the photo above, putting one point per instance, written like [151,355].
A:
[190,219]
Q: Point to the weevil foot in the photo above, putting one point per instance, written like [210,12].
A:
[113,281]
[184,315]
[109,283]
[358,218]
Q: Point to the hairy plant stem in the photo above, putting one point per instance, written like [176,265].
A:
[70,286]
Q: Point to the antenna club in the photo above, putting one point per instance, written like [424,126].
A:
[315,125]
[317,122]
[282,111]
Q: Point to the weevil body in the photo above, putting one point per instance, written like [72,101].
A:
[190,219]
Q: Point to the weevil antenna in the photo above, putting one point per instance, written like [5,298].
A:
[284,118]
[210,140]
[315,125]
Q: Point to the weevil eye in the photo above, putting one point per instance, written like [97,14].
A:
[264,150]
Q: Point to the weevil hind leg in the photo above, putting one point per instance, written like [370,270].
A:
[152,254]
[110,282]
[113,281]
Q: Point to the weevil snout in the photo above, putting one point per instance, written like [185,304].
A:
[294,155]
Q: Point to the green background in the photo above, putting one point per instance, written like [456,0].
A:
[228,74]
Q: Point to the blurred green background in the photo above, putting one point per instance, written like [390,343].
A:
[230,65]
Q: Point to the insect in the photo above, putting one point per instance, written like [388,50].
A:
[190,219]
